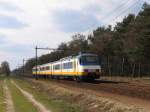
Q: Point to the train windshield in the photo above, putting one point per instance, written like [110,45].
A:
[89,60]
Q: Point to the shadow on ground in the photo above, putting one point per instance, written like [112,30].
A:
[105,81]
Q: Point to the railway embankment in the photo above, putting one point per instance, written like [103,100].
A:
[87,101]
[69,96]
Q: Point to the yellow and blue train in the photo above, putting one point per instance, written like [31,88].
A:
[80,67]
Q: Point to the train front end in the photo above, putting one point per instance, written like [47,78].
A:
[89,66]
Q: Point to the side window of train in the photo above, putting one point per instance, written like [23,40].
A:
[47,68]
[57,67]
[68,65]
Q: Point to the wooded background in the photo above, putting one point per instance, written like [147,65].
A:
[124,49]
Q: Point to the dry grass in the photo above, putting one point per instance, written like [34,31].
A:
[21,104]
[50,101]
[88,103]
[2,105]
[145,80]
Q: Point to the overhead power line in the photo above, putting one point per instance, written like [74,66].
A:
[116,9]
[125,10]
[120,7]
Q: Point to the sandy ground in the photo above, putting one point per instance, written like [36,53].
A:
[133,94]
[126,100]
[8,99]
[96,100]
[38,105]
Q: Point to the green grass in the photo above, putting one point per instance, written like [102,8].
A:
[2,105]
[21,104]
[54,104]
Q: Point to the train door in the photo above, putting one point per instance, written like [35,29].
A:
[75,67]
[50,67]
[61,67]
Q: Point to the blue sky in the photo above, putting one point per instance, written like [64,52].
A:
[74,21]
[46,23]
[10,22]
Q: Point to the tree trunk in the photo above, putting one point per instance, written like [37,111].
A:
[122,67]
[133,69]
[139,71]
[108,64]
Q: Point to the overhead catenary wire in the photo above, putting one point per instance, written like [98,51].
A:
[125,10]
[110,14]
[116,9]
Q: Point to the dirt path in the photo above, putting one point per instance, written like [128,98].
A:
[38,105]
[8,99]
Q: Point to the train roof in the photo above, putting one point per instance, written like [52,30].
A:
[68,58]
[85,54]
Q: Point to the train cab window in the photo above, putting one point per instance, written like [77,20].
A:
[89,60]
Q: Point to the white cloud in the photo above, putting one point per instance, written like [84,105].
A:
[41,29]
